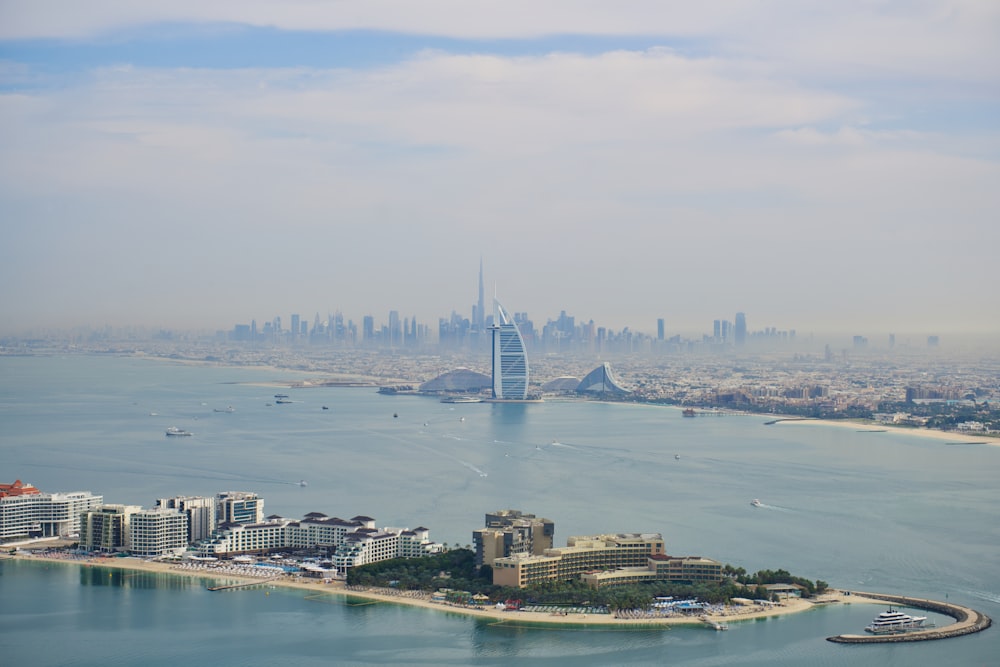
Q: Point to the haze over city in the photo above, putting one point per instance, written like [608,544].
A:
[192,165]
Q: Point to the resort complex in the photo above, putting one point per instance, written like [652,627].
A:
[27,512]
[228,525]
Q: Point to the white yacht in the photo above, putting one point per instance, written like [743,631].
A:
[173,430]
[895,621]
[755,502]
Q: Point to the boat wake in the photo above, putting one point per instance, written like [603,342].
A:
[776,508]
[984,595]
[473,468]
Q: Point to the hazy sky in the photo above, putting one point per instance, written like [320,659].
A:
[818,165]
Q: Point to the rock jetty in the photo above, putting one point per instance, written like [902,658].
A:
[967,621]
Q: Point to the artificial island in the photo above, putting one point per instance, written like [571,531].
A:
[513,574]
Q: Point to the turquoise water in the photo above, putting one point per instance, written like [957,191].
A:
[872,511]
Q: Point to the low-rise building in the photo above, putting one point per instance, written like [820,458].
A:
[660,567]
[580,555]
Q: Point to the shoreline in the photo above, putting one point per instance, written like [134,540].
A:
[950,437]
[734,613]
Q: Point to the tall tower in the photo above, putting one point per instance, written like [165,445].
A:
[510,362]
[481,311]
[741,329]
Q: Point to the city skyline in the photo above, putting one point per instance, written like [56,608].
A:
[182,166]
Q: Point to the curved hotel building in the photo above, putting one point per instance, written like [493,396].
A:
[510,363]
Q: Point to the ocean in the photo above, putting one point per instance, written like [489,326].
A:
[884,512]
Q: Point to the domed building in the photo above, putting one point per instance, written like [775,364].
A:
[562,385]
[460,380]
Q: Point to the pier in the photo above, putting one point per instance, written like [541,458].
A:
[243,584]
[967,622]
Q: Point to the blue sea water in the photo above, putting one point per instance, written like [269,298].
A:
[869,511]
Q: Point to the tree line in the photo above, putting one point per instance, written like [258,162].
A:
[456,569]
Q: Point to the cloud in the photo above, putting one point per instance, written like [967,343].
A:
[621,185]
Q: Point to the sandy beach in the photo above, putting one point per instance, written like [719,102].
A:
[729,614]
[951,437]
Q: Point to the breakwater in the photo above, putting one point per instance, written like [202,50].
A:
[967,622]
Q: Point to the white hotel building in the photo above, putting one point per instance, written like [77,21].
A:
[157,532]
[44,514]
[354,542]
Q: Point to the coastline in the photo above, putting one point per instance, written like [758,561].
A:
[734,613]
[950,437]
[319,378]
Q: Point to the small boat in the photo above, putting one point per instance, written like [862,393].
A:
[228,409]
[281,395]
[895,621]
[325,408]
[677,457]
[395,415]
[283,401]
[303,482]
[755,502]
[688,412]
[174,431]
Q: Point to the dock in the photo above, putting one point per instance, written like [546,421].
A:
[242,584]
[967,622]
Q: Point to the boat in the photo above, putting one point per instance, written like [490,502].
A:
[303,482]
[461,399]
[688,412]
[281,395]
[228,409]
[895,621]
[283,401]
[173,430]
[755,502]
[677,457]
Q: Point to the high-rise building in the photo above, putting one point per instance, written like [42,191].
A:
[395,328]
[510,362]
[239,507]
[509,532]
[106,528]
[740,333]
[200,512]
[157,532]
[660,327]
[480,319]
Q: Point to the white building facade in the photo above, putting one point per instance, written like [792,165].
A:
[157,532]
[44,514]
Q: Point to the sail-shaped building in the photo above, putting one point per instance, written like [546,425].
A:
[510,362]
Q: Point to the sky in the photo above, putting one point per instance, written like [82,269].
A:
[819,166]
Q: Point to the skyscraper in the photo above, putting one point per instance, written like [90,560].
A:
[480,319]
[510,362]
[741,329]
